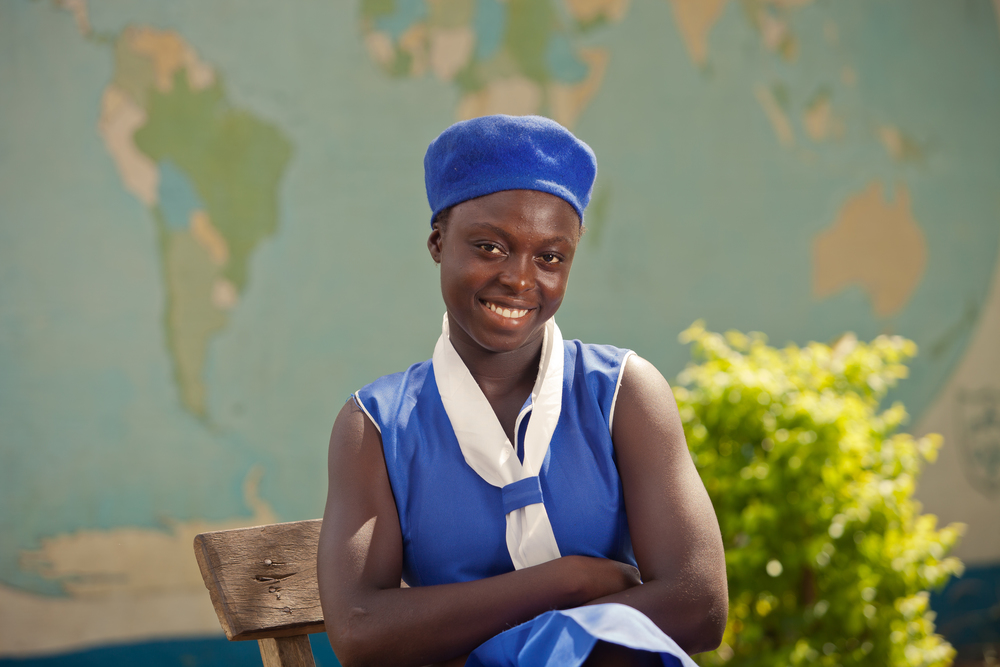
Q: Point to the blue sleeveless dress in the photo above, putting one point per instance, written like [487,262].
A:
[453,522]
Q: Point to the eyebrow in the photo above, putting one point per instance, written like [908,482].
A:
[506,235]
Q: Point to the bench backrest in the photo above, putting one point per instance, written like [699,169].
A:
[262,581]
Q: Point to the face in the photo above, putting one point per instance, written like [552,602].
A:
[505,261]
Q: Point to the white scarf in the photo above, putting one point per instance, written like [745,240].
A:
[487,450]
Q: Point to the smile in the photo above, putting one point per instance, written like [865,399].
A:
[510,313]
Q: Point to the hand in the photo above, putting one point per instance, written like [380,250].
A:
[595,578]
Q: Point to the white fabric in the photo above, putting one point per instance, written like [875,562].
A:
[486,448]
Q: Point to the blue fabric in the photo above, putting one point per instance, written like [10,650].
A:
[566,638]
[484,155]
[521,493]
[453,523]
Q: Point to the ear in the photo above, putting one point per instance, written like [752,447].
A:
[434,244]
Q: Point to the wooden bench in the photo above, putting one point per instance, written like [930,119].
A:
[263,584]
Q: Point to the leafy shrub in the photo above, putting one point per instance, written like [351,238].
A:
[828,556]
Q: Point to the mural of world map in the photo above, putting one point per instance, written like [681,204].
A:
[212,228]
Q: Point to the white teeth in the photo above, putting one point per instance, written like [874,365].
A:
[506,312]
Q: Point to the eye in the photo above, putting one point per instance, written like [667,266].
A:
[491,248]
[550,258]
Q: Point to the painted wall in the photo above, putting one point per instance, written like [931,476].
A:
[212,228]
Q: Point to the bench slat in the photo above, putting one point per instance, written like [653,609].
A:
[262,580]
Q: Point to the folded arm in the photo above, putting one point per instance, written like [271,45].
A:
[371,620]
[675,533]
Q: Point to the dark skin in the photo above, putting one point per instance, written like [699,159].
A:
[513,250]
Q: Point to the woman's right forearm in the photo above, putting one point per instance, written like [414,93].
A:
[422,625]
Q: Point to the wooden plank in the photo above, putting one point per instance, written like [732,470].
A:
[262,580]
[287,652]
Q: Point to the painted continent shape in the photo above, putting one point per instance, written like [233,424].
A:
[209,175]
[874,243]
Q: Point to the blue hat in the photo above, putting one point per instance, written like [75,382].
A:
[484,155]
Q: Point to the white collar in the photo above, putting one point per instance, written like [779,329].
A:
[486,447]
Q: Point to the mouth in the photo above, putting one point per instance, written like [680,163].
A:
[505,312]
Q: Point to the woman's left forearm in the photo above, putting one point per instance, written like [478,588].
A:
[674,531]
[692,613]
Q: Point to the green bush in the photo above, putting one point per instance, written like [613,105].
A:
[828,556]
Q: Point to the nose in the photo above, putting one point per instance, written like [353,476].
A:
[519,274]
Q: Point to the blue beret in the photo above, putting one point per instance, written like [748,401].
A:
[484,155]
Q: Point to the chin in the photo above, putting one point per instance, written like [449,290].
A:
[509,341]
[498,336]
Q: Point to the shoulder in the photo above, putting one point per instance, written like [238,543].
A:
[595,371]
[594,361]
[643,385]
[646,401]
[643,378]
[387,393]
[395,382]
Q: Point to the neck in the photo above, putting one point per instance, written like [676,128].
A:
[499,372]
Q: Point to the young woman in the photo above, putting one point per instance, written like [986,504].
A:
[536,494]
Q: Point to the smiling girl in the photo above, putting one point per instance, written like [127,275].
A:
[535,494]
